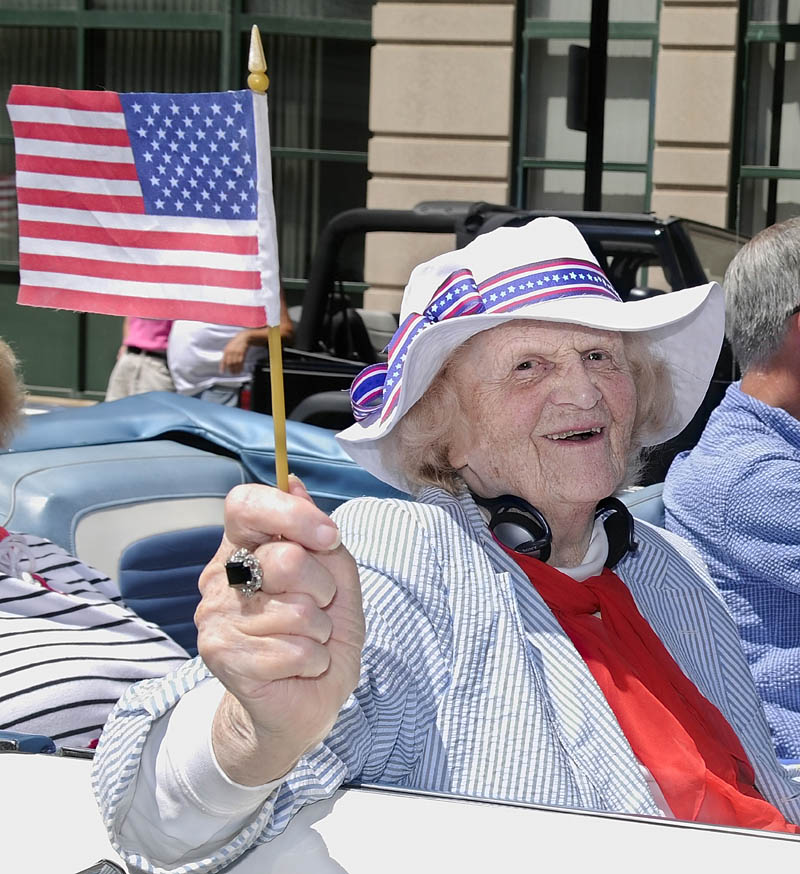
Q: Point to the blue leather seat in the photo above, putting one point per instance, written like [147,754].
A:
[328,472]
[136,488]
[95,501]
[646,503]
[158,578]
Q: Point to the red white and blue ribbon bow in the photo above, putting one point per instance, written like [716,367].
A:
[377,388]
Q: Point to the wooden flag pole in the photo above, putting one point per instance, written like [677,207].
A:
[259,81]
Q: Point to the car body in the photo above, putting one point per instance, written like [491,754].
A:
[51,826]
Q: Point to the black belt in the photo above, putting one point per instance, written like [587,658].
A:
[150,353]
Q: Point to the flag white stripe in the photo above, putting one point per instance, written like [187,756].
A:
[78,151]
[123,255]
[84,184]
[267,233]
[153,290]
[59,115]
[138,222]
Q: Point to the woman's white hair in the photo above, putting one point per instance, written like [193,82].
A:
[423,433]
[12,395]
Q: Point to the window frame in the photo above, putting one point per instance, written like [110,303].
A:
[760,33]
[544,29]
[233,26]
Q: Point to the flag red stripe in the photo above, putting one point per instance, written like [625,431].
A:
[139,239]
[67,133]
[38,95]
[81,200]
[160,308]
[158,273]
[75,167]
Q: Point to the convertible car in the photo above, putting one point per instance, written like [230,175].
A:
[136,487]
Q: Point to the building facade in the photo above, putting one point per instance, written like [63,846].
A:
[387,104]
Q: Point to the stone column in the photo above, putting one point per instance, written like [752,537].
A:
[694,109]
[441,95]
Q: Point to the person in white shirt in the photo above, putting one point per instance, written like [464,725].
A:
[213,362]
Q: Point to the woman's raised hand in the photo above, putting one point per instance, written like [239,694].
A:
[290,655]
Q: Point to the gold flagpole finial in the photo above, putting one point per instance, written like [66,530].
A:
[256,63]
[258,81]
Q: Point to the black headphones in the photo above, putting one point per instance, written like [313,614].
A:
[521,527]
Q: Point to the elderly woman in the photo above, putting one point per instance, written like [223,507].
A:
[523,639]
[69,647]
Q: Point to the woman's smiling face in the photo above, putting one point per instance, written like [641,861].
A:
[548,410]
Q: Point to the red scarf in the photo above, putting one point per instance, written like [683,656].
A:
[677,734]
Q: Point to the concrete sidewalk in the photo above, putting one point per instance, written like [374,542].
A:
[35,404]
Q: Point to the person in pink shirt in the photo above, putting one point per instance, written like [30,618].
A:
[142,360]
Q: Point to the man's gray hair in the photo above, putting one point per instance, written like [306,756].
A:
[762,287]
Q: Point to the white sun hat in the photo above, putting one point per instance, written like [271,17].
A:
[543,270]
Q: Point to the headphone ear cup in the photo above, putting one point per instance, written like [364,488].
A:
[523,530]
[618,522]
[519,526]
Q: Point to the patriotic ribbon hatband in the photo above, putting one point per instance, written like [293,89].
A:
[377,388]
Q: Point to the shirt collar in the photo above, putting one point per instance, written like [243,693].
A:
[595,558]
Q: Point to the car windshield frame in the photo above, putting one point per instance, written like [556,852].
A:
[715,247]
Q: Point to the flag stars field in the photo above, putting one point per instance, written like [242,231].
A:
[214,152]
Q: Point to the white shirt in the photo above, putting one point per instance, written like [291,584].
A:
[195,352]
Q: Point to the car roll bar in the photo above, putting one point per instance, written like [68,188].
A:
[433,220]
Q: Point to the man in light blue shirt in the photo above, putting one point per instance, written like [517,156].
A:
[736,495]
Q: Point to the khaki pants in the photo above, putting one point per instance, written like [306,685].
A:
[135,373]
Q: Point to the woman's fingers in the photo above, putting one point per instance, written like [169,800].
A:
[256,513]
[286,567]
[267,616]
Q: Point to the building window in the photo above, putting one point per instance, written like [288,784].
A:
[550,167]
[318,55]
[766,179]
[319,105]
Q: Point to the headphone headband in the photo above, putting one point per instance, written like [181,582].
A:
[522,528]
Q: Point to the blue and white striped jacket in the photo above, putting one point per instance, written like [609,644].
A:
[468,683]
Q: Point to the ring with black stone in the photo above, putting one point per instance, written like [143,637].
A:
[244,572]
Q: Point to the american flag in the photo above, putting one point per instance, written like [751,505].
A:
[145,204]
